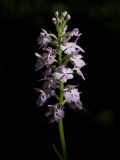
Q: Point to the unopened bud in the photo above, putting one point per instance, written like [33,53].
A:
[64,14]
[68,17]
[56,14]
[58,20]
[54,20]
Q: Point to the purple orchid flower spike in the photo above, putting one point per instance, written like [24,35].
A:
[55,59]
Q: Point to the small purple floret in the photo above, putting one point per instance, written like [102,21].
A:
[43,39]
[71,94]
[63,73]
[55,113]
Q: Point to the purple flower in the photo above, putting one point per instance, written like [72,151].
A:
[55,113]
[77,61]
[65,29]
[49,85]
[80,73]
[48,72]
[68,17]
[75,32]
[76,105]
[63,73]
[71,94]
[42,98]
[44,38]
[58,20]
[45,59]
[54,20]
[70,47]
[49,91]
[39,63]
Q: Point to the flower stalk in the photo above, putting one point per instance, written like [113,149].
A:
[58,73]
[62,139]
[60,122]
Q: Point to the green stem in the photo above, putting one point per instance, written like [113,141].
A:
[58,154]
[61,93]
[60,123]
[62,138]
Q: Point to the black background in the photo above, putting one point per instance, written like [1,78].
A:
[24,131]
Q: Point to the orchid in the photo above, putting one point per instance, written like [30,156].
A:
[63,73]
[70,47]
[42,98]
[55,113]
[71,94]
[56,60]
[43,39]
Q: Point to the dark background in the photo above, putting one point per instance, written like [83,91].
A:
[24,131]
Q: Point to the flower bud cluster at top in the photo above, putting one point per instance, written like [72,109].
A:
[56,59]
[57,19]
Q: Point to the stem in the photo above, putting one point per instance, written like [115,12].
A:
[62,138]
[61,93]
[60,123]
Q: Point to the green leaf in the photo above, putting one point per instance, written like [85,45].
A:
[61,78]
[65,101]
[67,56]
[66,86]
[63,25]
[66,61]
[54,60]
[54,50]
[53,43]
[54,36]
[56,96]
[58,154]
[64,35]
[82,106]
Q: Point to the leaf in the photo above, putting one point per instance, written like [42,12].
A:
[66,86]
[65,101]
[64,35]
[61,78]
[67,56]
[82,106]
[53,43]
[54,36]
[58,154]
[54,59]
[67,60]
[56,96]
